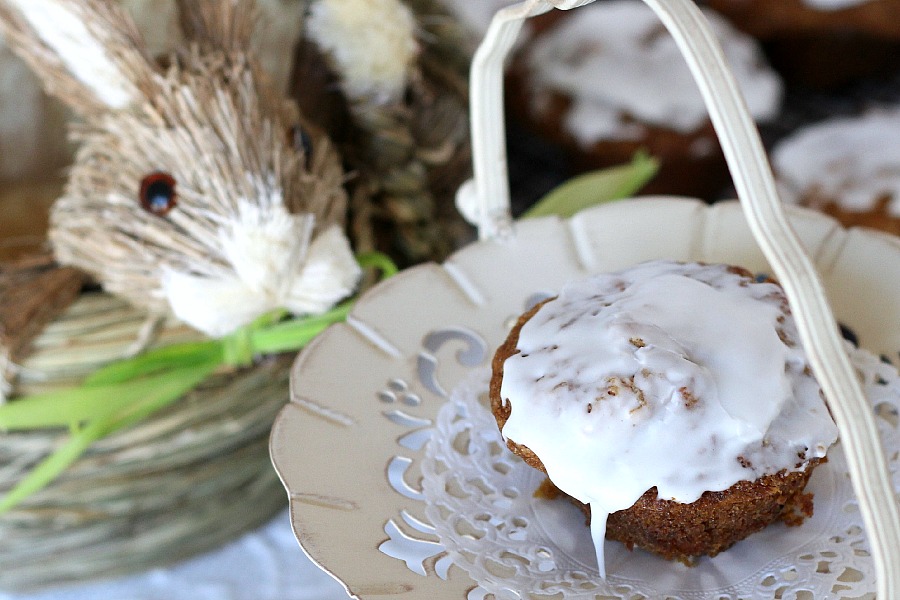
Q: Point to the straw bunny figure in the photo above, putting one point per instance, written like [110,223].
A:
[196,187]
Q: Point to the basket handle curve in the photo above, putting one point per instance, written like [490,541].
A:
[484,200]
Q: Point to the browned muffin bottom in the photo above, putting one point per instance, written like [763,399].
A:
[675,530]
[714,522]
[684,532]
[879,217]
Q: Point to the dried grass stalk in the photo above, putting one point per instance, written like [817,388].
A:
[183,481]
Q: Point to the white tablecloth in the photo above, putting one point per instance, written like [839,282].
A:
[266,564]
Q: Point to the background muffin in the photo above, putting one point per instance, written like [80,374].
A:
[608,80]
[847,167]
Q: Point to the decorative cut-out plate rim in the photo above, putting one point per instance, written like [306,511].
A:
[346,461]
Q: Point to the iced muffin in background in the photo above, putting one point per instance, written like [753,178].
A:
[607,80]
[846,167]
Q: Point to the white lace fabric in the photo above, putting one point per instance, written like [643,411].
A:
[480,500]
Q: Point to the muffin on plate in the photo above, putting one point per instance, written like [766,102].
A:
[606,80]
[846,167]
[671,400]
[821,43]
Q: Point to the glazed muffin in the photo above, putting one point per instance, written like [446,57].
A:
[848,168]
[670,400]
[607,80]
[821,43]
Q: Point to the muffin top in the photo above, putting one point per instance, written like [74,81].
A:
[853,162]
[680,376]
[619,65]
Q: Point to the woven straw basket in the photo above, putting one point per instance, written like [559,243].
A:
[198,473]
[181,482]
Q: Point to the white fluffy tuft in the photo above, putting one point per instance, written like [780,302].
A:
[329,273]
[273,263]
[372,43]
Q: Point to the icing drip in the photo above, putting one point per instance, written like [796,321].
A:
[852,161]
[617,63]
[668,375]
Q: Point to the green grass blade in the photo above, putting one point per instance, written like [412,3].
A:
[380,261]
[73,406]
[294,334]
[178,383]
[180,355]
[596,187]
[52,466]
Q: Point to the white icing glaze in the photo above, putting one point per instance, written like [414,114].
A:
[851,161]
[684,371]
[618,63]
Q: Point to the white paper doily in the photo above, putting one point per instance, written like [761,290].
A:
[480,501]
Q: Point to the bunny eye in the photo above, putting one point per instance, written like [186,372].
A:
[157,194]
[300,140]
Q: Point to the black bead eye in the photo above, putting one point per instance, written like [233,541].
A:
[301,141]
[157,194]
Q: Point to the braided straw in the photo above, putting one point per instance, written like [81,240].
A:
[411,152]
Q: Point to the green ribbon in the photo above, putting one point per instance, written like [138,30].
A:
[128,391]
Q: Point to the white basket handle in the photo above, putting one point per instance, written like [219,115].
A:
[484,200]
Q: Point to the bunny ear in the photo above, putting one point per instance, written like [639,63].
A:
[224,25]
[88,52]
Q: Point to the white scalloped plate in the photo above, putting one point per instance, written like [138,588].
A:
[365,393]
